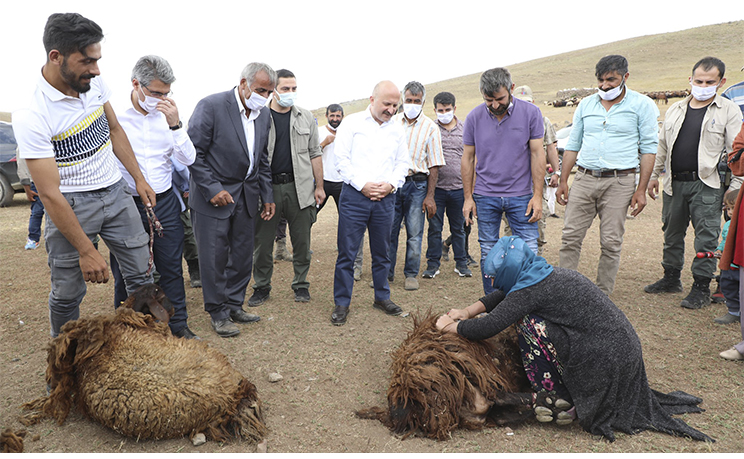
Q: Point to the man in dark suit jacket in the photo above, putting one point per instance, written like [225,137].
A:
[230,131]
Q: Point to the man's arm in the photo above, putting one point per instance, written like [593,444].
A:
[555,163]
[317,164]
[569,160]
[537,166]
[430,206]
[123,151]
[46,178]
[467,170]
[638,202]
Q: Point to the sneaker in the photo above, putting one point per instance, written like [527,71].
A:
[464,271]
[302,295]
[260,295]
[472,262]
[357,274]
[726,319]
[445,251]
[430,273]
[31,245]
[718,297]
[411,283]
[732,354]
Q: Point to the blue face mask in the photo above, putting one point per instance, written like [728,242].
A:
[286,99]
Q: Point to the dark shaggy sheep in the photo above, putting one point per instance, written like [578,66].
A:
[129,373]
[12,442]
[442,381]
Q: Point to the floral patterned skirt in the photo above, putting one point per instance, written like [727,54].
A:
[539,358]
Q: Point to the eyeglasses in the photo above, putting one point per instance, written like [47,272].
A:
[157,94]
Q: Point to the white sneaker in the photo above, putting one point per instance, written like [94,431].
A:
[732,354]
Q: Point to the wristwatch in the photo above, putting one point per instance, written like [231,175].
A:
[177,126]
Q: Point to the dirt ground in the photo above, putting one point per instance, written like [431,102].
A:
[331,371]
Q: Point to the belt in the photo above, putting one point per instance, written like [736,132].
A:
[687,176]
[417,177]
[607,173]
[158,196]
[279,179]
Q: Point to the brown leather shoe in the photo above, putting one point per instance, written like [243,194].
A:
[388,307]
[339,315]
[243,317]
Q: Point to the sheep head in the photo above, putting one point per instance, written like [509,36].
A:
[150,299]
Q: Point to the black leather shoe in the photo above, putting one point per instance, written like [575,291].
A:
[225,328]
[260,295]
[302,295]
[243,317]
[388,307]
[339,315]
[186,333]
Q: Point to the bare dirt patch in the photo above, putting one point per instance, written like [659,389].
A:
[330,371]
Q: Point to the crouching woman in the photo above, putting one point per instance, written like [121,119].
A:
[581,354]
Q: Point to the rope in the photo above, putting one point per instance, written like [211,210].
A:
[155,227]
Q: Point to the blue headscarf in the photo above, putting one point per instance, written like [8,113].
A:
[513,266]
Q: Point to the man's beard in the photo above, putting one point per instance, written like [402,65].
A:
[335,124]
[73,80]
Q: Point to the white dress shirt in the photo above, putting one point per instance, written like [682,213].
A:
[154,143]
[370,152]
[330,174]
[249,128]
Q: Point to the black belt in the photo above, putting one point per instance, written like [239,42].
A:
[158,196]
[607,173]
[417,177]
[279,179]
[688,176]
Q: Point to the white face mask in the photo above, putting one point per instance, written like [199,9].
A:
[256,101]
[613,93]
[703,93]
[286,99]
[446,118]
[412,111]
[150,103]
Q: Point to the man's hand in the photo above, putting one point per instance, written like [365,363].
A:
[469,211]
[375,191]
[31,195]
[168,108]
[94,267]
[429,207]
[555,179]
[328,140]
[653,188]
[446,324]
[638,202]
[146,194]
[320,195]
[561,194]
[458,314]
[269,208]
[534,207]
[222,199]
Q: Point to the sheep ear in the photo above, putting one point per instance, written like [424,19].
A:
[158,311]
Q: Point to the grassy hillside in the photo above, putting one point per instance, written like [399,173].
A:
[656,62]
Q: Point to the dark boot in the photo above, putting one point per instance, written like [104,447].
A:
[670,283]
[699,295]
[194,273]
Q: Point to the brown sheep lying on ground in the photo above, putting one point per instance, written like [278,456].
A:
[129,373]
[442,381]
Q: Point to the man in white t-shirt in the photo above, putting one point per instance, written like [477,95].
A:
[70,138]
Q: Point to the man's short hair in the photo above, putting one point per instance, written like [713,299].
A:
[415,88]
[334,108]
[69,33]
[284,73]
[150,68]
[494,79]
[251,70]
[708,63]
[611,63]
[444,98]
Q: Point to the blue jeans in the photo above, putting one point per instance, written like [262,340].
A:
[450,201]
[34,222]
[408,203]
[490,209]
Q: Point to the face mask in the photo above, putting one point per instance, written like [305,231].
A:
[255,101]
[446,118]
[613,93]
[149,104]
[286,99]
[703,93]
[412,111]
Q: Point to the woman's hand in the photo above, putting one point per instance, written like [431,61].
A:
[459,314]
[446,324]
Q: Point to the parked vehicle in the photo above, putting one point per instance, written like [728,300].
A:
[9,181]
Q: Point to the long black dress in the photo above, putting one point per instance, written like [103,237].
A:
[600,352]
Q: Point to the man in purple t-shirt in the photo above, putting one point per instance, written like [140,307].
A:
[505,135]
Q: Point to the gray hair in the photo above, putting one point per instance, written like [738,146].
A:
[150,68]
[415,88]
[494,79]
[251,70]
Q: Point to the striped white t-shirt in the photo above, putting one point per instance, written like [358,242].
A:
[72,130]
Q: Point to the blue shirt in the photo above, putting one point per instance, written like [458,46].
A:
[613,139]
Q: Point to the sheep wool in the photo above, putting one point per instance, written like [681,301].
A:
[127,372]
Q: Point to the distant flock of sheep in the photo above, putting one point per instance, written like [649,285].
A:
[572,97]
